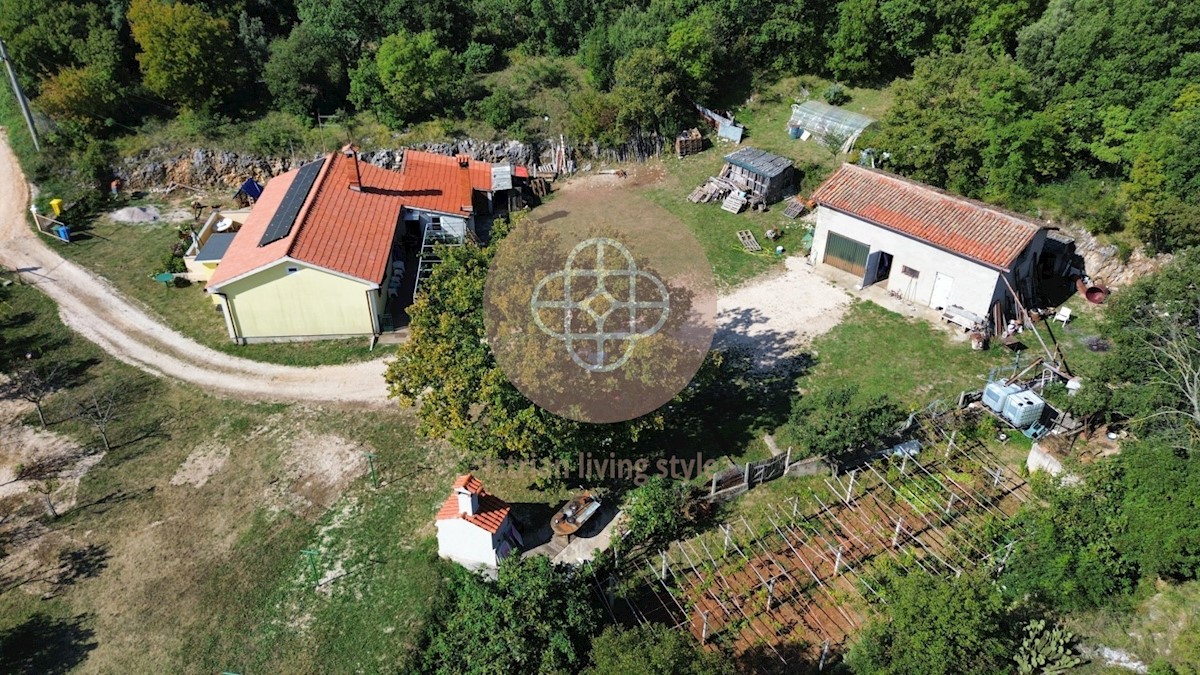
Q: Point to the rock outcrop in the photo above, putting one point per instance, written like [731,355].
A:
[1104,265]
[205,168]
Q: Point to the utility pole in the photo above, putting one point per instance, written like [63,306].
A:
[19,95]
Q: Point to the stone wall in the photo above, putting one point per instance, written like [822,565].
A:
[208,168]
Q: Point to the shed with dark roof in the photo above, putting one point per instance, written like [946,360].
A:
[759,172]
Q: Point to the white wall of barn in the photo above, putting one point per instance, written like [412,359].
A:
[975,286]
[463,542]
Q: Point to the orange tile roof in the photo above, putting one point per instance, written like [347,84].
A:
[970,228]
[349,231]
[244,254]
[492,510]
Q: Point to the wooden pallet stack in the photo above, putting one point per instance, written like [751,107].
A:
[735,202]
[689,143]
[713,190]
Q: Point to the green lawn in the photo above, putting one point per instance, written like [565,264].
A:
[885,353]
[765,119]
[207,579]
[716,230]
[910,359]
[128,254]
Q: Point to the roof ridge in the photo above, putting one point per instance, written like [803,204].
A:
[310,201]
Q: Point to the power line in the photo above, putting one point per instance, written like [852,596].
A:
[20,96]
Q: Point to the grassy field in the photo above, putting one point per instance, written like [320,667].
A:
[182,549]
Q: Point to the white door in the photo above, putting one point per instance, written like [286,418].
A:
[942,285]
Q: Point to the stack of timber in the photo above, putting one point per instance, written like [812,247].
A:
[713,190]
[689,143]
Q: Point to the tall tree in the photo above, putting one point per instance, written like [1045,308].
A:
[447,369]
[535,618]
[187,56]
[1154,366]
[649,91]
[1162,495]
[966,122]
[1068,553]
[304,73]
[934,625]
[858,51]
[411,76]
[837,420]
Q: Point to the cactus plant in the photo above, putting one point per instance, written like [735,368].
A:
[1045,650]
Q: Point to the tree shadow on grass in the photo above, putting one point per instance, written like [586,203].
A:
[735,407]
[82,563]
[46,645]
[788,658]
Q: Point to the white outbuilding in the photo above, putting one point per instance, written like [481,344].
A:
[956,255]
[475,529]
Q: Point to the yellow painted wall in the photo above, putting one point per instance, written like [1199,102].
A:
[273,303]
[203,270]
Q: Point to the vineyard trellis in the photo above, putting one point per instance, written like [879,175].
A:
[811,576]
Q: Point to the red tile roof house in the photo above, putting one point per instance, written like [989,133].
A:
[474,528]
[925,245]
[322,253]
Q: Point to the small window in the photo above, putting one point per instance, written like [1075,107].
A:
[293,270]
[909,272]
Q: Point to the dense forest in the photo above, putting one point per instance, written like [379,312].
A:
[1091,105]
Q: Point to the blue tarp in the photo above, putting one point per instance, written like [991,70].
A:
[252,189]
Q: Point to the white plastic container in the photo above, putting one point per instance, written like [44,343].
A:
[1023,409]
[996,393]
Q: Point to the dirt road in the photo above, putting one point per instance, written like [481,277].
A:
[772,316]
[95,310]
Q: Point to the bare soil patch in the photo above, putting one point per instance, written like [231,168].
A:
[774,316]
[201,465]
[315,471]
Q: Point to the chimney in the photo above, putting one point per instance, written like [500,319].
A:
[352,151]
[464,161]
[468,502]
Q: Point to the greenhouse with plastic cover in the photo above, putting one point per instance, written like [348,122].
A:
[825,122]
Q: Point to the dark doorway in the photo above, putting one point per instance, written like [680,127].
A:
[878,268]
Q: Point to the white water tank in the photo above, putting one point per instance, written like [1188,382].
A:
[996,393]
[1023,409]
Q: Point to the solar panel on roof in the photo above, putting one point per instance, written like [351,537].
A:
[285,216]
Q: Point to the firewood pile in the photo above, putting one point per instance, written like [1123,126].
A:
[713,190]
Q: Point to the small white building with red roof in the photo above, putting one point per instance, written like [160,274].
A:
[474,528]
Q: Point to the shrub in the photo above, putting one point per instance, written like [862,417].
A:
[276,134]
[501,109]
[836,94]
[479,57]
[173,264]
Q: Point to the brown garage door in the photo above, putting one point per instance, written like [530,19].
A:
[846,254]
